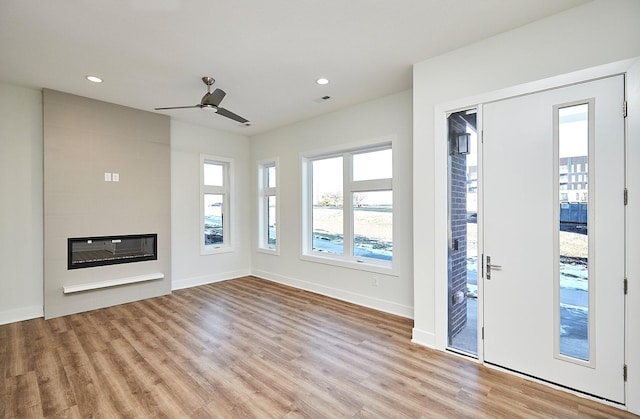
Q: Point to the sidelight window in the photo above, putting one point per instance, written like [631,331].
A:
[573,280]
[267,206]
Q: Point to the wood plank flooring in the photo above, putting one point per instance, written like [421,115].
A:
[250,348]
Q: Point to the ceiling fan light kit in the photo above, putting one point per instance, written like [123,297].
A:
[211,100]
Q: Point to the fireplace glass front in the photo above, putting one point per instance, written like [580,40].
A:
[85,252]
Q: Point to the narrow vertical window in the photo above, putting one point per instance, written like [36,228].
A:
[214,203]
[267,206]
[573,285]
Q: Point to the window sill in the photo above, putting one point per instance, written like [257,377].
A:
[268,251]
[359,264]
[216,250]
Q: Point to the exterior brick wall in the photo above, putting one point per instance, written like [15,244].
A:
[458,257]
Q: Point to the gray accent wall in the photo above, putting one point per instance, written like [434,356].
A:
[83,140]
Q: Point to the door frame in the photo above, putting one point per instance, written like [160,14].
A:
[631,68]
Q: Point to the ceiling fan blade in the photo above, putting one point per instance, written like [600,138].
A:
[178,107]
[214,98]
[231,115]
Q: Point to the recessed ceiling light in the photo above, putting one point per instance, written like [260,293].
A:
[322,81]
[94,79]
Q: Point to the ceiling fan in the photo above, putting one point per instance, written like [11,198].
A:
[211,101]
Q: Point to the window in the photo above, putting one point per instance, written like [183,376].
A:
[349,206]
[267,206]
[573,280]
[215,204]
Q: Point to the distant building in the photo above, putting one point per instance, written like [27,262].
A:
[574,182]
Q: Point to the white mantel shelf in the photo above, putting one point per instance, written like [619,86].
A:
[70,289]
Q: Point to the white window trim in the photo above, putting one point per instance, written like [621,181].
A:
[349,186]
[263,193]
[227,206]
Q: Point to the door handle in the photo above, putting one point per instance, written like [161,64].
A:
[491,266]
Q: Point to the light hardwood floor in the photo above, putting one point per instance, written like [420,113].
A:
[251,348]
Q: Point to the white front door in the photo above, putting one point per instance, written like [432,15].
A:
[553,178]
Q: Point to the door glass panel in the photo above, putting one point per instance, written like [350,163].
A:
[463,233]
[573,175]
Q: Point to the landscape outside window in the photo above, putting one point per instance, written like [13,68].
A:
[267,223]
[213,231]
[364,219]
[573,245]
[328,205]
[215,203]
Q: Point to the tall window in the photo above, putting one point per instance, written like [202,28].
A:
[267,206]
[214,204]
[574,281]
[349,206]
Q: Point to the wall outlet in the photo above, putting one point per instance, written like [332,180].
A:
[107,177]
[115,177]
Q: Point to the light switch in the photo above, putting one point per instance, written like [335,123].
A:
[107,177]
[115,177]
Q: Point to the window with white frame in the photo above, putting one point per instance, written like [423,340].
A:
[215,186]
[267,205]
[348,206]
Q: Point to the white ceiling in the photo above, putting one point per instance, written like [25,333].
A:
[266,54]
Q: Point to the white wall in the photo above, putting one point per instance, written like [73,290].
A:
[597,33]
[189,267]
[21,204]
[21,207]
[388,117]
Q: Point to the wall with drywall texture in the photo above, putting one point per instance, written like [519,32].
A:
[594,34]
[21,203]
[378,120]
[190,268]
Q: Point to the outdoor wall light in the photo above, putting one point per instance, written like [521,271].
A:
[460,143]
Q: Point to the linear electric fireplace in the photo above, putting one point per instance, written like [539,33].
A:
[85,252]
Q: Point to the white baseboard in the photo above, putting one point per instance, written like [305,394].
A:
[423,338]
[20,314]
[351,297]
[208,279]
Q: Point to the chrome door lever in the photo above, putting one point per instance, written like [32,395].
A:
[490,266]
